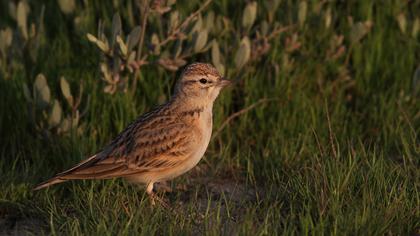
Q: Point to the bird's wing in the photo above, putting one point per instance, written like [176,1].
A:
[155,142]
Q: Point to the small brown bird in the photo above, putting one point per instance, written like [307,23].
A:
[163,143]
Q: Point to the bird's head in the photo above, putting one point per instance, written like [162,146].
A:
[200,81]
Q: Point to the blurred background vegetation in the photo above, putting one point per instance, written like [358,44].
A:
[320,134]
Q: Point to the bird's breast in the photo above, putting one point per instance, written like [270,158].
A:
[201,126]
[204,129]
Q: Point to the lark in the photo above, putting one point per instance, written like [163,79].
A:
[161,144]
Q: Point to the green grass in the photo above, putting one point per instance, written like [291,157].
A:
[327,156]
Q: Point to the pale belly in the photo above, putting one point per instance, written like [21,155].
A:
[191,162]
[188,164]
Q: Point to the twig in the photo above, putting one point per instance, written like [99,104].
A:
[317,142]
[407,120]
[331,133]
[175,31]
[279,30]
[238,113]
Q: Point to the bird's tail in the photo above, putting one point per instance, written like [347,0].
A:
[66,175]
[49,182]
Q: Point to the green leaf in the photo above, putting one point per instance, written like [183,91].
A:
[103,46]
[416,28]
[272,5]
[109,89]
[67,6]
[106,72]
[264,28]
[130,62]
[123,47]
[402,22]
[156,44]
[116,27]
[91,38]
[303,9]
[133,38]
[173,20]
[249,15]
[75,120]
[6,37]
[65,125]
[215,53]
[217,58]
[26,93]
[12,10]
[359,31]
[170,2]
[328,17]
[65,89]
[209,21]
[131,58]
[197,26]
[55,114]
[221,68]
[200,40]
[244,53]
[42,91]
[22,17]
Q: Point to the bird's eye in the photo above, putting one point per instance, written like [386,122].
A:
[203,81]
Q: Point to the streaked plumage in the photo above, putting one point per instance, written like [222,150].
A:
[163,143]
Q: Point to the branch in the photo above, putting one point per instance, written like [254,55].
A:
[178,28]
[143,30]
[238,113]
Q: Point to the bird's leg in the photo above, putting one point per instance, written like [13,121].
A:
[163,186]
[150,192]
[154,197]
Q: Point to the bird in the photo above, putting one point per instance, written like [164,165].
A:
[163,143]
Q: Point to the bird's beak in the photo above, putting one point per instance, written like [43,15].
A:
[224,82]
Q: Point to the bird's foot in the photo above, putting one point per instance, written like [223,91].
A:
[155,198]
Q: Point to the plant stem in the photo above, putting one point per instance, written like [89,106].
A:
[238,113]
[143,30]
[140,45]
[178,28]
